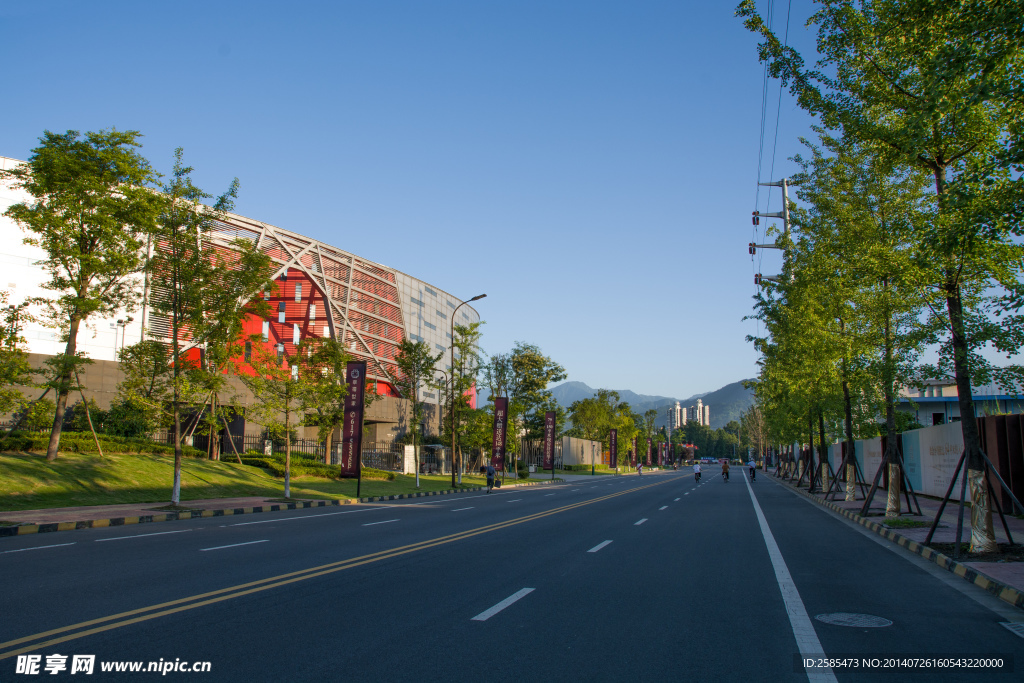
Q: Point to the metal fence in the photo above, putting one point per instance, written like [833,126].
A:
[531,452]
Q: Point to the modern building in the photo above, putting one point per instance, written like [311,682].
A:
[937,402]
[679,416]
[322,291]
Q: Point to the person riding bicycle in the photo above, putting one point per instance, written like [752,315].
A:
[490,477]
[725,470]
[753,470]
[696,471]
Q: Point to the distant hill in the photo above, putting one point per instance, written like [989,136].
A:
[727,403]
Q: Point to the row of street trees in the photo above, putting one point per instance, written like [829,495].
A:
[107,225]
[909,234]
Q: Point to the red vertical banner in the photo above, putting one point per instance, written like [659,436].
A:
[632,456]
[613,448]
[498,443]
[549,440]
[648,463]
[352,427]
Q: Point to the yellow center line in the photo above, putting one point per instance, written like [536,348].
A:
[209,598]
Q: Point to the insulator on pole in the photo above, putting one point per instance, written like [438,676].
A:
[751,248]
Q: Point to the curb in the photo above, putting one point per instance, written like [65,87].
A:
[26,529]
[997,588]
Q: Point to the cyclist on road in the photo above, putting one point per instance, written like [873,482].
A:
[753,470]
[696,472]
[490,477]
[725,470]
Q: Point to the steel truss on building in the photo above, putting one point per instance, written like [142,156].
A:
[363,307]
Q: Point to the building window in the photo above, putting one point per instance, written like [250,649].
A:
[416,301]
[298,291]
[280,352]
[440,314]
[248,351]
[439,347]
[280,312]
[312,311]
[426,324]
[429,291]
[295,334]
[295,372]
[266,330]
[450,304]
[327,331]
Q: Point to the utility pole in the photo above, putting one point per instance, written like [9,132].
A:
[784,215]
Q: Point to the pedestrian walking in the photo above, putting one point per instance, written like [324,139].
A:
[490,477]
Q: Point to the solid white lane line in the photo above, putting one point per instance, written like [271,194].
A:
[386,521]
[514,500]
[685,494]
[155,533]
[233,545]
[803,630]
[488,613]
[292,519]
[640,522]
[548,494]
[598,546]
[676,500]
[663,507]
[461,509]
[38,547]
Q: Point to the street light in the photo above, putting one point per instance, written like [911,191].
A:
[452,328]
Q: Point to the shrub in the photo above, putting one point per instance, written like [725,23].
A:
[35,416]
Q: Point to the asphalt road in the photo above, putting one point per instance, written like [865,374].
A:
[610,578]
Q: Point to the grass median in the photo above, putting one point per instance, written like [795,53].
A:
[29,482]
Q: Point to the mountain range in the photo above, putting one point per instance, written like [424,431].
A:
[727,403]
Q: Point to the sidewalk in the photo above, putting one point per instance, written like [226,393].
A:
[1003,571]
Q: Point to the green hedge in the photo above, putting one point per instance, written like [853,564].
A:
[584,468]
[79,442]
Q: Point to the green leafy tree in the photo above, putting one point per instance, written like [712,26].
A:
[15,370]
[90,210]
[322,368]
[276,386]
[936,85]
[416,367]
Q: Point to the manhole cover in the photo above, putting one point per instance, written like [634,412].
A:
[854,620]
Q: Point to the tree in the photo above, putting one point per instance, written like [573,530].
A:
[14,368]
[462,380]
[416,367]
[322,369]
[936,85]
[90,210]
[204,292]
[275,384]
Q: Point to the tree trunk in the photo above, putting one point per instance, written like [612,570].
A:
[62,391]
[982,532]
[823,454]
[983,538]
[287,449]
[176,489]
[851,453]
[891,457]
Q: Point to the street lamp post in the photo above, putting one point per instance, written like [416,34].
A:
[452,396]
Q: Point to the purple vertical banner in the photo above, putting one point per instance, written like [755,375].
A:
[352,427]
[500,423]
[549,440]
[613,448]
[632,457]
[648,463]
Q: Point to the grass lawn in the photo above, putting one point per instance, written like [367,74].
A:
[29,482]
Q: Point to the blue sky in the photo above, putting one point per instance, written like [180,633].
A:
[591,166]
